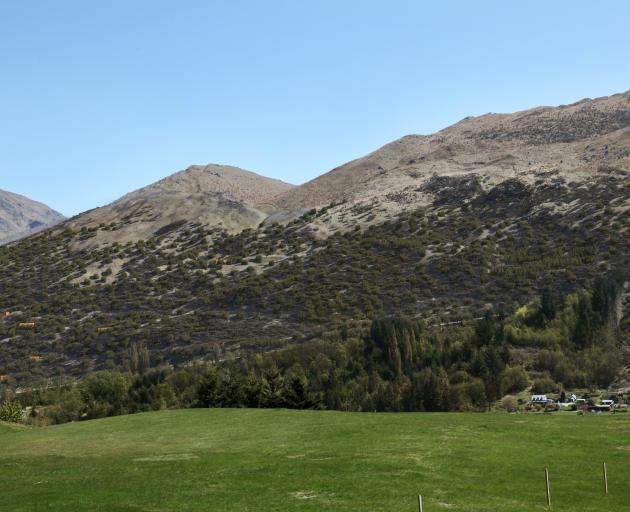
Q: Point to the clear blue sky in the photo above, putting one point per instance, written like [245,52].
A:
[99,98]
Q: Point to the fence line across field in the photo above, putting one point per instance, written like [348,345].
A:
[547,487]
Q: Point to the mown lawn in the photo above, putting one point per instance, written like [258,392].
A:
[277,460]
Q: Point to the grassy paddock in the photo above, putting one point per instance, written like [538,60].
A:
[277,460]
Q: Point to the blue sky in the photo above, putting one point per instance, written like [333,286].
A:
[99,98]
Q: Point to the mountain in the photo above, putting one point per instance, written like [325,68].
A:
[545,144]
[20,217]
[569,142]
[491,217]
[216,195]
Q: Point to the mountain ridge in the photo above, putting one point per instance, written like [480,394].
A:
[494,146]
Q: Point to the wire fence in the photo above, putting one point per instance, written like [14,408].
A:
[421,507]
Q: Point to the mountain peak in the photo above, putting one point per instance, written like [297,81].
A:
[235,183]
[217,195]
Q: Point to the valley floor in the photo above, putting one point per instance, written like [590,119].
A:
[278,460]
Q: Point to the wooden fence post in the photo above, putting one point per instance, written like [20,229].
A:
[548,489]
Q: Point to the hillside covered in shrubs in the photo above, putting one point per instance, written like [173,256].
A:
[200,295]
[553,344]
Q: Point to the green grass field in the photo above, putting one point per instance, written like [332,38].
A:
[277,460]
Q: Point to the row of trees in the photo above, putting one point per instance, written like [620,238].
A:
[111,393]
[272,390]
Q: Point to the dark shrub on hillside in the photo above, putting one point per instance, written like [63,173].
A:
[513,380]
[544,385]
